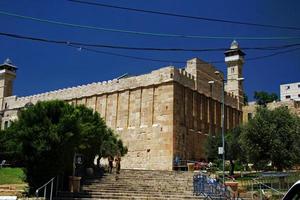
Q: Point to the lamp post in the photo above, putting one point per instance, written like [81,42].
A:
[223,118]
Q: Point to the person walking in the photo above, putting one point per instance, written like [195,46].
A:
[110,163]
[118,163]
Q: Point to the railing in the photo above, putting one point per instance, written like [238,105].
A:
[44,187]
[263,187]
[209,188]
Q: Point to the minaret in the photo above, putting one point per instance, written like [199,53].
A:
[7,76]
[234,58]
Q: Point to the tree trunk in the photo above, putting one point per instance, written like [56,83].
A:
[231,173]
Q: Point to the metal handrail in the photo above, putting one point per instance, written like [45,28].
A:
[45,189]
[268,186]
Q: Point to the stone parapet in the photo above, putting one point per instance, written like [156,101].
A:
[156,77]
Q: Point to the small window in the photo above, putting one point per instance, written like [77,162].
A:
[250,116]
[288,96]
[298,85]
[298,95]
[5,124]
[232,69]
[287,87]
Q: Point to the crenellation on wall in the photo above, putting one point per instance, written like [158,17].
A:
[155,77]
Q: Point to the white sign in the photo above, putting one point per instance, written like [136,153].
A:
[220,150]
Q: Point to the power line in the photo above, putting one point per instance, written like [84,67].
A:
[46,40]
[177,61]
[273,54]
[80,46]
[185,16]
[146,33]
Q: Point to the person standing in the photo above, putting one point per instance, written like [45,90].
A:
[118,163]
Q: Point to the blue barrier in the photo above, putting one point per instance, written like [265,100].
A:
[209,187]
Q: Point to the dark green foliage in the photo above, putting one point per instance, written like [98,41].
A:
[47,135]
[272,136]
[262,98]
[245,99]
[233,150]
[211,147]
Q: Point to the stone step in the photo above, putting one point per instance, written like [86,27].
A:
[116,180]
[152,194]
[188,179]
[128,196]
[143,184]
[139,192]
[138,182]
[138,185]
[137,188]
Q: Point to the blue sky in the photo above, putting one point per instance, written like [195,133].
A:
[44,67]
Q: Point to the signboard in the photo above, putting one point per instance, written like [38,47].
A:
[220,150]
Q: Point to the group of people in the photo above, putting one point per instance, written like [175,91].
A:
[117,160]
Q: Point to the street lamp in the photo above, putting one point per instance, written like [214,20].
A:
[222,118]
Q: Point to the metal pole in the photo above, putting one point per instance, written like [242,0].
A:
[37,194]
[51,191]
[74,165]
[222,124]
[45,191]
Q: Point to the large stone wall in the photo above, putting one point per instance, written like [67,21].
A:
[249,110]
[159,115]
[195,116]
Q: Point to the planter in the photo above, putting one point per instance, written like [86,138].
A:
[234,187]
[191,166]
[74,183]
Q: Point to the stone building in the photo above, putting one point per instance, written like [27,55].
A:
[166,113]
[290,91]
[250,109]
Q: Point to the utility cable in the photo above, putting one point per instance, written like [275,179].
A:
[81,47]
[177,61]
[146,33]
[17,36]
[185,16]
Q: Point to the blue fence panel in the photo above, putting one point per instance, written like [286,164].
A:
[209,187]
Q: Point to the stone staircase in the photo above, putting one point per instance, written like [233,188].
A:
[12,189]
[137,184]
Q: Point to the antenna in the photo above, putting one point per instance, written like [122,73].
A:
[123,76]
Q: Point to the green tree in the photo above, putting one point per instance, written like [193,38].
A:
[262,98]
[272,136]
[233,150]
[211,147]
[47,135]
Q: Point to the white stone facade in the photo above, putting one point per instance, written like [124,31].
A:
[290,91]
